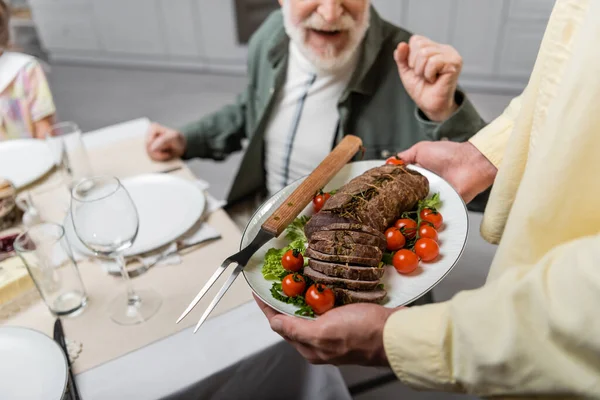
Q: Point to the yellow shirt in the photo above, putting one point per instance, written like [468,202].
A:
[534,328]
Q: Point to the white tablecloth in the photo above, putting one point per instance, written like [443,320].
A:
[233,356]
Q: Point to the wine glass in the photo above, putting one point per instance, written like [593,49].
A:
[106,221]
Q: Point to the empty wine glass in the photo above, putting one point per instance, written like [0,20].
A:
[106,221]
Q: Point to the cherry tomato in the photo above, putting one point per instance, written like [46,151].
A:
[407,226]
[394,160]
[320,298]
[319,200]
[293,285]
[292,260]
[395,239]
[432,216]
[428,231]
[405,261]
[427,249]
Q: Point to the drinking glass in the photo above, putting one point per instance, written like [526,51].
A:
[44,250]
[106,221]
[70,155]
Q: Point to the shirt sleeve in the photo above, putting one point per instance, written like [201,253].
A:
[39,97]
[533,331]
[491,141]
[459,127]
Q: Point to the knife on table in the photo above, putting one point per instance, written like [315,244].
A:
[59,337]
[280,219]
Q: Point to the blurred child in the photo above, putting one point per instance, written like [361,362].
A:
[26,106]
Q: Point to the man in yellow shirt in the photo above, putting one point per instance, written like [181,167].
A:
[534,328]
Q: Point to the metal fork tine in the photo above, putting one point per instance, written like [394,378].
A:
[219,295]
[205,289]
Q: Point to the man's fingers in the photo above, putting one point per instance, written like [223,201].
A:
[161,156]
[419,41]
[434,66]
[296,329]
[418,44]
[401,56]
[409,156]
[423,56]
[160,143]
[307,352]
[268,311]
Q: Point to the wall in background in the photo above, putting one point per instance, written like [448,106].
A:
[498,39]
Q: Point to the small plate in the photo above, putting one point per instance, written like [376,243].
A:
[168,206]
[23,161]
[401,289]
[32,366]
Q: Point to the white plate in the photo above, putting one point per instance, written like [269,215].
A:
[23,161]
[32,366]
[167,206]
[401,289]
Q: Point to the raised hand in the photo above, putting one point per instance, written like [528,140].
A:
[429,72]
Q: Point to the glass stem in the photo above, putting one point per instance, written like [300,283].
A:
[132,297]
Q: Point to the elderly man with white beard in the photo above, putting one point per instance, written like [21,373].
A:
[318,70]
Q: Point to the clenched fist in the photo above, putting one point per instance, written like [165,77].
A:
[429,72]
[164,144]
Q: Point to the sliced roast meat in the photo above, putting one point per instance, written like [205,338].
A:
[339,282]
[342,249]
[323,219]
[350,238]
[347,271]
[322,222]
[346,296]
[371,262]
[379,196]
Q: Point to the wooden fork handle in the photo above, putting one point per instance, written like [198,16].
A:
[304,193]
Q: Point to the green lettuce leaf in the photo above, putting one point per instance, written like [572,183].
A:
[434,202]
[272,269]
[295,231]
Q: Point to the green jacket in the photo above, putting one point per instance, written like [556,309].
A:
[375,106]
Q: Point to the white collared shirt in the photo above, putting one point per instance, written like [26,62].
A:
[304,120]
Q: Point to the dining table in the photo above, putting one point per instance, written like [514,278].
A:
[235,355]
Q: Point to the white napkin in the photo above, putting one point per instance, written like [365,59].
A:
[169,255]
[212,204]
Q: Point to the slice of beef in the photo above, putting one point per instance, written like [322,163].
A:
[348,237]
[371,262]
[324,221]
[347,271]
[343,249]
[339,282]
[346,296]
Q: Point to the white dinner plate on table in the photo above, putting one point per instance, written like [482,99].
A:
[168,206]
[401,289]
[32,366]
[23,161]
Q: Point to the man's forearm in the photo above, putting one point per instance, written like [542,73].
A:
[518,335]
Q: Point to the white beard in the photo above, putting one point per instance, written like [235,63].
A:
[329,61]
